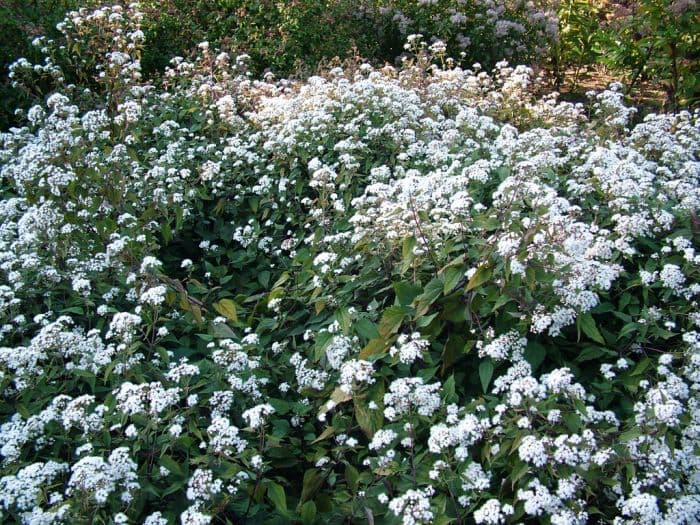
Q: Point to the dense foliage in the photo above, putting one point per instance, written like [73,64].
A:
[20,22]
[658,40]
[650,41]
[382,295]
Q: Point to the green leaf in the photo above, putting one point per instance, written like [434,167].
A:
[482,274]
[174,487]
[378,345]
[518,473]
[282,279]
[454,349]
[167,233]
[627,329]
[173,466]
[406,292]
[431,292]
[324,435]
[275,492]
[407,255]
[264,278]
[227,308]
[502,300]
[392,319]
[425,320]
[366,328]
[593,352]
[280,405]
[630,434]
[313,479]
[625,300]
[343,317]
[352,477]
[641,367]
[448,388]
[221,330]
[308,513]
[534,354]
[451,278]
[73,310]
[587,324]
[485,373]
[572,421]
[369,420]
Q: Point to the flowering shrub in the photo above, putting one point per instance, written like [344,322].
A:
[421,295]
[656,40]
[483,31]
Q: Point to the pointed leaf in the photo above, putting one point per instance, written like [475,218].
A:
[366,328]
[369,420]
[313,479]
[406,292]
[308,513]
[451,278]
[324,435]
[352,477]
[392,319]
[376,346]
[275,492]
[485,374]
[227,308]
[587,324]
[221,330]
[482,274]
[430,294]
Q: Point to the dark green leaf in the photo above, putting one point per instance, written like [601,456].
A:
[534,354]
[275,492]
[406,292]
[313,479]
[485,373]
[587,324]
[308,513]
[451,278]
[366,328]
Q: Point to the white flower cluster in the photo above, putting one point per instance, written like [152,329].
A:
[338,349]
[307,377]
[493,513]
[409,395]
[224,437]
[409,348]
[202,486]
[256,416]
[22,490]
[506,346]
[413,507]
[148,398]
[355,372]
[56,340]
[95,476]
[564,207]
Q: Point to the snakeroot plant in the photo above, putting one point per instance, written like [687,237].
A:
[415,295]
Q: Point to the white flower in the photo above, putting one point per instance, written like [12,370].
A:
[354,373]
[492,513]
[409,348]
[154,296]
[255,417]
[413,506]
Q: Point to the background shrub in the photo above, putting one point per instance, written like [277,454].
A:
[20,22]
